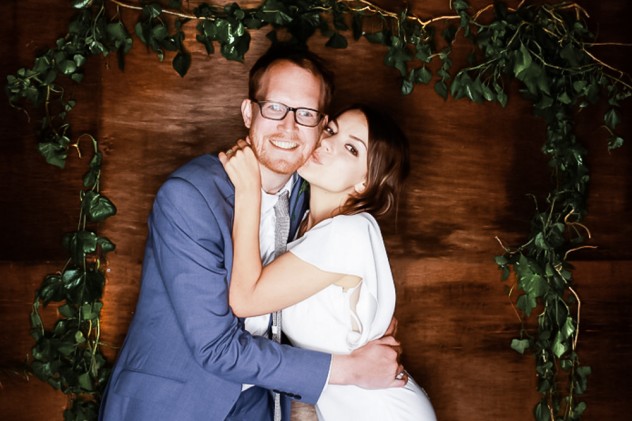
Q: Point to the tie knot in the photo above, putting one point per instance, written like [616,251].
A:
[282,206]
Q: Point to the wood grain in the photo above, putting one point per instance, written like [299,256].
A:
[473,167]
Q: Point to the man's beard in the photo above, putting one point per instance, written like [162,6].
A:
[279,165]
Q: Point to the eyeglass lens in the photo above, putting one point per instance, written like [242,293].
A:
[278,111]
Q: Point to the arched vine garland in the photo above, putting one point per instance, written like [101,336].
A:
[546,47]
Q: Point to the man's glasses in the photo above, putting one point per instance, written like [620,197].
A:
[277,111]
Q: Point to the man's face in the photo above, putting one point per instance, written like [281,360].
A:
[282,146]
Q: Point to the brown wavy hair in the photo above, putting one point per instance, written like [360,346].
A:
[388,165]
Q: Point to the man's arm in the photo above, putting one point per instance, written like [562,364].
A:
[190,232]
[373,366]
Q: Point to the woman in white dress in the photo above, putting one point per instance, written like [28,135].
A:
[334,284]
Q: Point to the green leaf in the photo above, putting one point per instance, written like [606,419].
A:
[81,4]
[51,289]
[96,206]
[72,277]
[397,56]
[522,62]
[526,303]
[611,118]
[182,62]
[442,89]
[67,311]
[560,345]
[54,153]
[541,411]
[615,142]
[423,75]
[105,244]
[376,37]
[85,382]
[520,345]
[337,41]
[79,244]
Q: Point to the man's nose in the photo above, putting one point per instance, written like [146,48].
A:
[289,121]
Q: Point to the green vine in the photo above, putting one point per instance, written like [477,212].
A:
[547,48]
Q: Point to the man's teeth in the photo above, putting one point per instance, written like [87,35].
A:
[284,145]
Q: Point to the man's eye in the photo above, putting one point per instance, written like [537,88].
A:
[275,107]
[307,113]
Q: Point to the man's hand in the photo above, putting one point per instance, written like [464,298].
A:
[373,366]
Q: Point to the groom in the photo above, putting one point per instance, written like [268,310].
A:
[186,356]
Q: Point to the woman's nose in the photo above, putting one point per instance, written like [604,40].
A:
[325,143]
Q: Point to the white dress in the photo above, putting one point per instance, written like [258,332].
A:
[328,321]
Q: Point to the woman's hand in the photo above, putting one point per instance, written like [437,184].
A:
[242,167]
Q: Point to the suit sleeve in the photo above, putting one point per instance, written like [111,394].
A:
[190,233]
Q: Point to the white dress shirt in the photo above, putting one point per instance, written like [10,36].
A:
[258,325]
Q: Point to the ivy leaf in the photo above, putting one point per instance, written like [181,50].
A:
[85,382]
[611,118]
[72,277]
[397,56]
[542,412]
[520,345]
[356,25]
[96,206]
[79,244]
[51,289]
[442,89]
[105,244]
[337,41]
[54,153]
[615,142]
[526,303]
[81,4]
[90,311]
[423,75]
[376,37]
[522,62]
[560,345]
[182,62]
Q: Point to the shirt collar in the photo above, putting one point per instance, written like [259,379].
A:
[269,200]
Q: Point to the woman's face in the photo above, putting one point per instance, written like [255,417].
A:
[339,163]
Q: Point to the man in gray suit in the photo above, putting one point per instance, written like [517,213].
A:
[186,356]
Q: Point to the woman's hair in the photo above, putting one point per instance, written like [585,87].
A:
[388,165]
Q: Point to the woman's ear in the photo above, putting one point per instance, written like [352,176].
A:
[360,187]
[246,112]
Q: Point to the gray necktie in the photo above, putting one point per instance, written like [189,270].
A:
[281,232]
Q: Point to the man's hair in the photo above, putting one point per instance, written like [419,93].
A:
[302,57]
[388,165]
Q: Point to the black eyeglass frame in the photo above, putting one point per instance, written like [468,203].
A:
[287,110]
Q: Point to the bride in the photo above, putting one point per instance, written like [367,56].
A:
[334,283]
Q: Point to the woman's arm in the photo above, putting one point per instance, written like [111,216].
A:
[255,290]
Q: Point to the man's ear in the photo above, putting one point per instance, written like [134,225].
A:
[324,122]
[360,187]
[246,112]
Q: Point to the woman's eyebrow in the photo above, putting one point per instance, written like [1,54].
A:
[359,140]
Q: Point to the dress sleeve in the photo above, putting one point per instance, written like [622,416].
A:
[353,245]
[337,245]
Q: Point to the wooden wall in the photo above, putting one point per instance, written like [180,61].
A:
[473,166]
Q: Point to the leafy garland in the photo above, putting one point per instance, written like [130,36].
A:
[546,47]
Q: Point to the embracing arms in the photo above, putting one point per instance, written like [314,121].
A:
[254,289]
